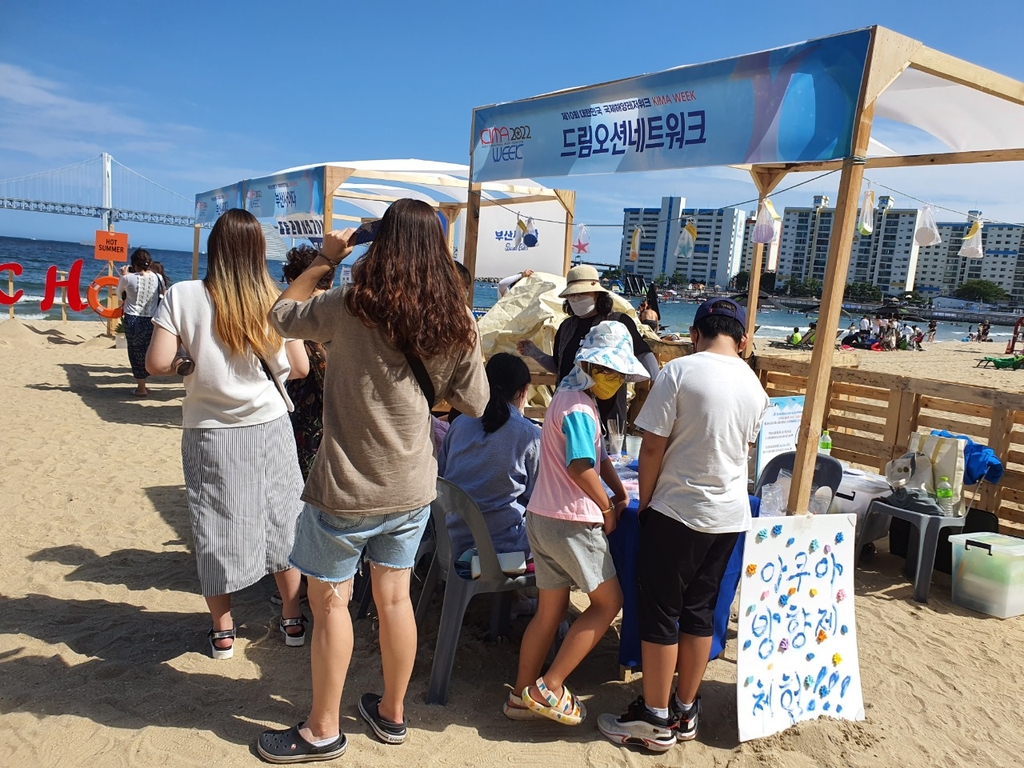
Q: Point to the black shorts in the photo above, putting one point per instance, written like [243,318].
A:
[678,577]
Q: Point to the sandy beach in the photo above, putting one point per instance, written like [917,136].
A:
[103,655]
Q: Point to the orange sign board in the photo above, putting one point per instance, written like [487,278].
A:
[111,246]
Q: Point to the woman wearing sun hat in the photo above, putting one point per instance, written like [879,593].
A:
[567,522]
[588,303]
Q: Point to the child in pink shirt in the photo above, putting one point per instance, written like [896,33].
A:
[567,522]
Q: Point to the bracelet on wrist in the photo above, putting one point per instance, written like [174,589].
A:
[334,264]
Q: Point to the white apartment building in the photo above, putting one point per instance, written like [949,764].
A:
[941,270]
[717,253]
[887,258]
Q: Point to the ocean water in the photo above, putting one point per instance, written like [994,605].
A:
[36,256]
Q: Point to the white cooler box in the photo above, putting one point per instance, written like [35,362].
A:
[855,495]
[988,573]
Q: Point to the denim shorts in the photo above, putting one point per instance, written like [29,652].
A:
[328,547]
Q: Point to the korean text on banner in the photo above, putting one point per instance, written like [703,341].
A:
[210,205]
[299,194]
[111,246]
[791,104]
[797,657]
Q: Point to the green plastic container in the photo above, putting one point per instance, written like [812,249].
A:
[988,573]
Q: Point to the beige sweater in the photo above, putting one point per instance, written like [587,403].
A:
[377,452]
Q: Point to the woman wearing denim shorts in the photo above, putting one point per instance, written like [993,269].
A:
[374,476]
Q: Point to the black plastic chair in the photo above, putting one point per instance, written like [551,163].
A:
[827,471]
[459,590]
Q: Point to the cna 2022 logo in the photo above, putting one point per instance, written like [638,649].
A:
[506,142]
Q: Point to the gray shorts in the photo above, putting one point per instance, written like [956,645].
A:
[567,553]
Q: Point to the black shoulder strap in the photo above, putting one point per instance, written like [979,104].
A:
[422,378]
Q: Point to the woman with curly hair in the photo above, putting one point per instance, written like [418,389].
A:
[399,335]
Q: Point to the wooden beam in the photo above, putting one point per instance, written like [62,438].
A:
[567,197]
[450,211]
[965,73]
[334,177]
[484,202]
[472,234]
[195,252]
[891,55]
[907,161]
[841,244]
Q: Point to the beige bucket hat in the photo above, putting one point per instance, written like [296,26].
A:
[582,279]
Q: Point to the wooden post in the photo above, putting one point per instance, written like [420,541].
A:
[765,180]
[1000,438]
[10,290]
[567,197]
[831,305]
[195,252]
[334,177]
[451,214]
[472,232]
[63,299]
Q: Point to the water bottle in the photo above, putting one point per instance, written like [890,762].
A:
[825,443]
[944,495]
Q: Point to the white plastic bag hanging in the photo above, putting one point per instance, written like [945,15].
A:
[971,249]
[582,239]
[928,231]
[531,235]
[634,243]
[866,220]
[687,239]
[520,231]
[766,228]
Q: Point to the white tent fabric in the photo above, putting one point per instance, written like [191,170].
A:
[962,118]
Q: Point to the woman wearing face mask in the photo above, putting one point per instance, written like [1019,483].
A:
[587,304]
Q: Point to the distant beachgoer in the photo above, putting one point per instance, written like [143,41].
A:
[812,332]
[237,448]
[140,288]
[865,323]
[588,303]
[648,316]
[511,280]
[933,326]
[307,393]
[466,279]
[399,338]
[795,338]
[494,459]
[158,268]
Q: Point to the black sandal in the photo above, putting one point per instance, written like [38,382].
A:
[297,639]
[288,746]
[222,634]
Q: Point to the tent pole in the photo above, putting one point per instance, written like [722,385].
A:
[765,180]
[195,252]
[567,197]
[472,231]
[819,379]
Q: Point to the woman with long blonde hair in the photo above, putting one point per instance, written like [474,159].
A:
[237,450]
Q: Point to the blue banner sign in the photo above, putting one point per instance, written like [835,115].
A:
[792,104]
[287,194]
[210,205]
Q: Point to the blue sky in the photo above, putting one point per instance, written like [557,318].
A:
[196,95]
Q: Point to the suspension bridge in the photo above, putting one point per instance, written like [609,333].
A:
[100,188]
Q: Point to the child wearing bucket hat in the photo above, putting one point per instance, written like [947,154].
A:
[567,520]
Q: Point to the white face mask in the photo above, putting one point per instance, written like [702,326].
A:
[583,305]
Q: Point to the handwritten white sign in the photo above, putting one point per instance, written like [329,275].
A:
[797,637]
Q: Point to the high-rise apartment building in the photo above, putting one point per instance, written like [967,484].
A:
[717,252]
[887,258]
[942,270]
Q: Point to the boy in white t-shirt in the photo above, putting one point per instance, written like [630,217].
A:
[700,418]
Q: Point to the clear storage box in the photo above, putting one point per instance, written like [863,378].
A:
[988,573]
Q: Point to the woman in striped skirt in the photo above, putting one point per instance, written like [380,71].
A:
[237,450]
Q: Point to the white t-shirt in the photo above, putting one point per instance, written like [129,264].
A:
[142,289]
[710,407]
[225,390]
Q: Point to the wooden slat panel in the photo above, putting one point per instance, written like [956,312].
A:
[864,445]
[859,459]
[772,392]
[856,390]
[871,427]
[952,406]
[979,431]
[868,409]
[1013,489]
[1014,457]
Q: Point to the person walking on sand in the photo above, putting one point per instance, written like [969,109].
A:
[237,450]
[400,338]
[141,289]
[699,421]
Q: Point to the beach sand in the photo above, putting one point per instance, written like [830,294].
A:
[103,654]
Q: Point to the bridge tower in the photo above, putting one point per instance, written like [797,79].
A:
[108,192]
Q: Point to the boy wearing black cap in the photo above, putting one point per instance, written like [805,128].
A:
[700,418]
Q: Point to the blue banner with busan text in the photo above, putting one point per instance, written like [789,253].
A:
[210,205]
[792,104]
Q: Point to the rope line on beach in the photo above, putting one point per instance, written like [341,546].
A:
[934,205]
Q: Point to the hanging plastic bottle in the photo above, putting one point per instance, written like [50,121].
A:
[531,236]
[634,243]
[582,239]
[825,443]
[944,495]
[971,249]
[866,220]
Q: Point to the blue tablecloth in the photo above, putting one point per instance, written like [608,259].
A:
[625,547]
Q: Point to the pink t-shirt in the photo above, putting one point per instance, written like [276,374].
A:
[556,494]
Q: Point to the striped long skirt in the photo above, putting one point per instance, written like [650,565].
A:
[243,487]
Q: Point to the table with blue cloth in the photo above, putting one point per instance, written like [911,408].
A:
[625,547]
